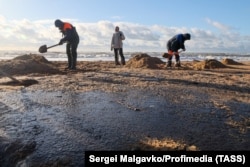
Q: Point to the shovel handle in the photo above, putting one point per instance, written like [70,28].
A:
[12,78]
[52,46]
[179,51]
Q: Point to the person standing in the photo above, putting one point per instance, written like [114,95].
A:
[173,45]
[117,45]
[70,36]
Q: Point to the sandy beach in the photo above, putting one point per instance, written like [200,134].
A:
[51,116]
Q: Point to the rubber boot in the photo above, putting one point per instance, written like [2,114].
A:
[73,65]
[123,60]
[169,63]
[122,56]
[178,64]
[116,60]
[68,52]
[177,59]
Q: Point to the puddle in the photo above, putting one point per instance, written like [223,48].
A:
[65,124]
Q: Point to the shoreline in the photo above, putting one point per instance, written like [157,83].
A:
[109,56]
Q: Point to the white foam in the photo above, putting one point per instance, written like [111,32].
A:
[109,56]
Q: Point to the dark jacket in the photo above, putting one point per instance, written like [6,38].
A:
[69,32]
[176,43]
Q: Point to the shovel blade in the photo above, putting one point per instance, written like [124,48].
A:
[166,55]
[43,49]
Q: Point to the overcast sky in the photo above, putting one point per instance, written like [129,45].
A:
[215,25]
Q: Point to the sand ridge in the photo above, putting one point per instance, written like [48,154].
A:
[33,63]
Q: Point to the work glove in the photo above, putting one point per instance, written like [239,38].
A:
[61,42]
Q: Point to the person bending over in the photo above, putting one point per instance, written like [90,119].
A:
[173,45]
[70,36]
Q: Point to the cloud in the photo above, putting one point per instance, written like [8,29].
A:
[117,17]
[220,26]
[30,35]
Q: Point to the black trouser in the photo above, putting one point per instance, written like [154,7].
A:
[71,50]
[177,58]
[121,54]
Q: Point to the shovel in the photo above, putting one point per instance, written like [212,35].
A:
[167,55]
[16,82]
[12,78]
[44,48]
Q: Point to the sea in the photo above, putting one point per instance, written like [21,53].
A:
[109,56]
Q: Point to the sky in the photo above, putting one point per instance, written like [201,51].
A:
[214,25]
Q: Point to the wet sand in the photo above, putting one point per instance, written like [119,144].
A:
[101,106]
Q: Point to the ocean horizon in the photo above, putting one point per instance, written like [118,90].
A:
[109,56]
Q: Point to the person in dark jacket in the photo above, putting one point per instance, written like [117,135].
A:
[70,36]
[174,44]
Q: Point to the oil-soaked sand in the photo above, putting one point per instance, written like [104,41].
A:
[53,122]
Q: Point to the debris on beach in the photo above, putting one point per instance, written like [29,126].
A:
[128,106]
[165,144]
[208,64]
[27,64]
[230,62]
[143,60]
